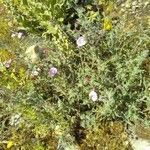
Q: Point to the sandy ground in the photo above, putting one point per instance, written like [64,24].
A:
[140,144]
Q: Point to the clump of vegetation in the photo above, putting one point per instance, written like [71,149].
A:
[91,78]
[108,135]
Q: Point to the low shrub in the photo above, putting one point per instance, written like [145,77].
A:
[90,81]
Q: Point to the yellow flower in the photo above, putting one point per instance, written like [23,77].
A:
[9,144]
[107,24]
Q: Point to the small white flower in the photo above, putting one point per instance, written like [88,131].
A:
[35,73]
[20,35]
[52,72]
[93,96]
[80,41]
[38,69]
[13,35]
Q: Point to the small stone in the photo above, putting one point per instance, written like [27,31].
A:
[15,119]
[33,54]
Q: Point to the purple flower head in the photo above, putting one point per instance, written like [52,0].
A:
[81,41]
[52,71]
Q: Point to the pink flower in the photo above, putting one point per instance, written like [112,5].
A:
[52,72]
[80,41]
[7,63]
[93,96]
